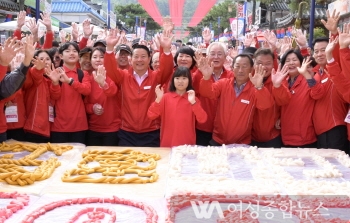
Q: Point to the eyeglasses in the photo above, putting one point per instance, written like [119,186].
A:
[219,55]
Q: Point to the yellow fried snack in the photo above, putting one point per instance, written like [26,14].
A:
[11,170]
[113,165]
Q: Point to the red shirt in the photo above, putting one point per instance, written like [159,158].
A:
[135,99]
[21,111]
[209,105]
[234,116]
[69,107]
[329,110]
[178,119]
[297,128]
[264,120]
[109,121]
[39,91]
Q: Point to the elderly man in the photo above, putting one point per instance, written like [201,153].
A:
[122,55]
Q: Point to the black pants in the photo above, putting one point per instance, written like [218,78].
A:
[145,139]
[16,134]
[311,145]
[335,138]
[273,143]
[102,138]
[62,137]
[214,143]
[36,138]
[3,137]
[203,138]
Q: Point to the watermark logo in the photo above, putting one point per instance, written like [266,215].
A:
[205,212]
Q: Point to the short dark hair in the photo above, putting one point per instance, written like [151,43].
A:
[85,50]
[320,39]
[244,55]
[296,52]
[181,72]
[42,51]
[55,44]
[185,50]
[264,51]
[140,46]
[313,62]
[66,45]
[101,49]
[189,43]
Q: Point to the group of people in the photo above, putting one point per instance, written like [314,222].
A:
[113,92]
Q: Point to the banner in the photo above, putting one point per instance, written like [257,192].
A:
[233,25]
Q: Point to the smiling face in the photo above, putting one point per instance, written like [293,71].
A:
[320,53]
[217,56]
[46,58]
[292,61]
[70,55]
[97,59]
[184,60]
[85,62]
[122,58]
[241,69]
[140,60]
[155,61]
[266,61]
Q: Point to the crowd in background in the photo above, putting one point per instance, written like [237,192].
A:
[115,91]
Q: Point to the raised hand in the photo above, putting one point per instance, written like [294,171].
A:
[332,21]
[228,63]
[98,109]
[344,37]
[46,20]
[33,27]
[286,45]
[249,38]
[38,64]
[266,45]
[87,29]
[257,79]
[100,75]
[112,39]
[168,24]
[156,41]
[206,34]
[278,77]
[63,76]
[303,69]
[300,38]
[205,68]
[191,96]
[90,42]
[54,74]
[62,36]
[9,50]
[165,40]
[16,61]
[233,52]
[330,47]
[21,19]
[159,93]
[75,31]
[271,39]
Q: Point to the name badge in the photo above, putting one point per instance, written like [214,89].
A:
[245,101]
[347,117]
[324,80]
[11,113]
[51,114]
[147,87]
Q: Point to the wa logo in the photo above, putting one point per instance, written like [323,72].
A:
[206,209]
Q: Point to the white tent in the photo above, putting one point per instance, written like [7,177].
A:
[96,31]
[12,26]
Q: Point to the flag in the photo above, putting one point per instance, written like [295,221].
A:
[8,18]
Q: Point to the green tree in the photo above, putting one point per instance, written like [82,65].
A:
[128,13]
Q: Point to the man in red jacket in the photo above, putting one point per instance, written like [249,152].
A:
[237,99]
[137,86]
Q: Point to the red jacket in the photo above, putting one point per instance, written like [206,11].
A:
[344,61]
[296,113]
[3,71]
[209,105]
[329,110]
[264,120]
[39,91]
[109,121]
[234,116]
[178,119]
[48,39]
[69,107]
[21,111]
[137,99]
[341,83]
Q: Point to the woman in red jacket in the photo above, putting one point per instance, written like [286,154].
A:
[179,109]
[101,105]
[40,88]
[297,129]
